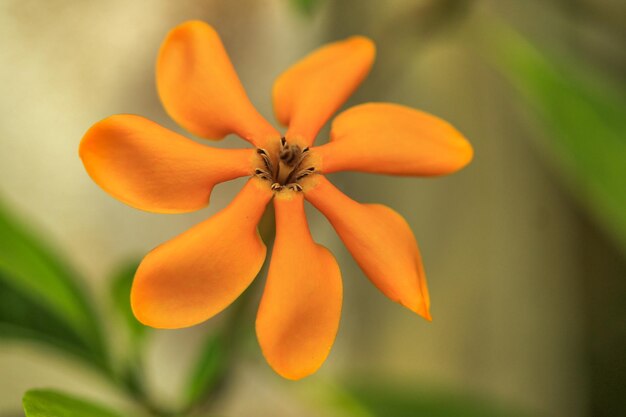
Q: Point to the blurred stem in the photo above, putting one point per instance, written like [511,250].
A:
[131,382]
[231,335]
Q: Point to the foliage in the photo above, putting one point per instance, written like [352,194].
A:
[41,301]
[375,398]
[306,7]
[42,298]
[121,283]
[47,403]
[23,318]
[208,369]
[585,122]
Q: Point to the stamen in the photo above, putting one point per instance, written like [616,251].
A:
[304,173]
[290,154]
[266,159]
[277,173]
[291,158]
[296,169]
[263,174]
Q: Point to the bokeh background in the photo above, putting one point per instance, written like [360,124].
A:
[525,249]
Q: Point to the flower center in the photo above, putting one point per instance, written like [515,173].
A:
[285,168]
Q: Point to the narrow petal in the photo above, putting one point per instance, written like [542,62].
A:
[197,274]
[152,168]
[299,313]
[200,89]
[308,93]
[391,139]
[380,241]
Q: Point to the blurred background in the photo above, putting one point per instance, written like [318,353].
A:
[525,249]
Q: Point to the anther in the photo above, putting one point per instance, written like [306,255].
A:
[263,175]
[266,160]
[304,173]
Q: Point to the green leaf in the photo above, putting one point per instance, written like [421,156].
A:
[210,372]
[21,318]
[209,369]
[586,119]
[47,285]
[48,403]
[306,7]
[384,399]
[121,284]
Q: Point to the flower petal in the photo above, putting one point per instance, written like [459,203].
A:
[388,138]
[200,272]
[200,89]
[152,168]
[299,313]
[380,241]
[308,93]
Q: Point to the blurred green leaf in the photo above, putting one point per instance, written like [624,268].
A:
[211,370]
[208,370]
[47,286]
[306,7]
[585,117]
[21,318]
[121,284]
[381,399]
[48,403]
[131,373]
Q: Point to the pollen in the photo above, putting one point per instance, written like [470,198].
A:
[285,168]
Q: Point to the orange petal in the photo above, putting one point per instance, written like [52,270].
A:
[380,241]
[308,93]
[200,89]
[387,138]
[152,168]
[200,272]
[299,313]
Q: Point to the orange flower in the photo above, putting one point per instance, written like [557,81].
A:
[199,273]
